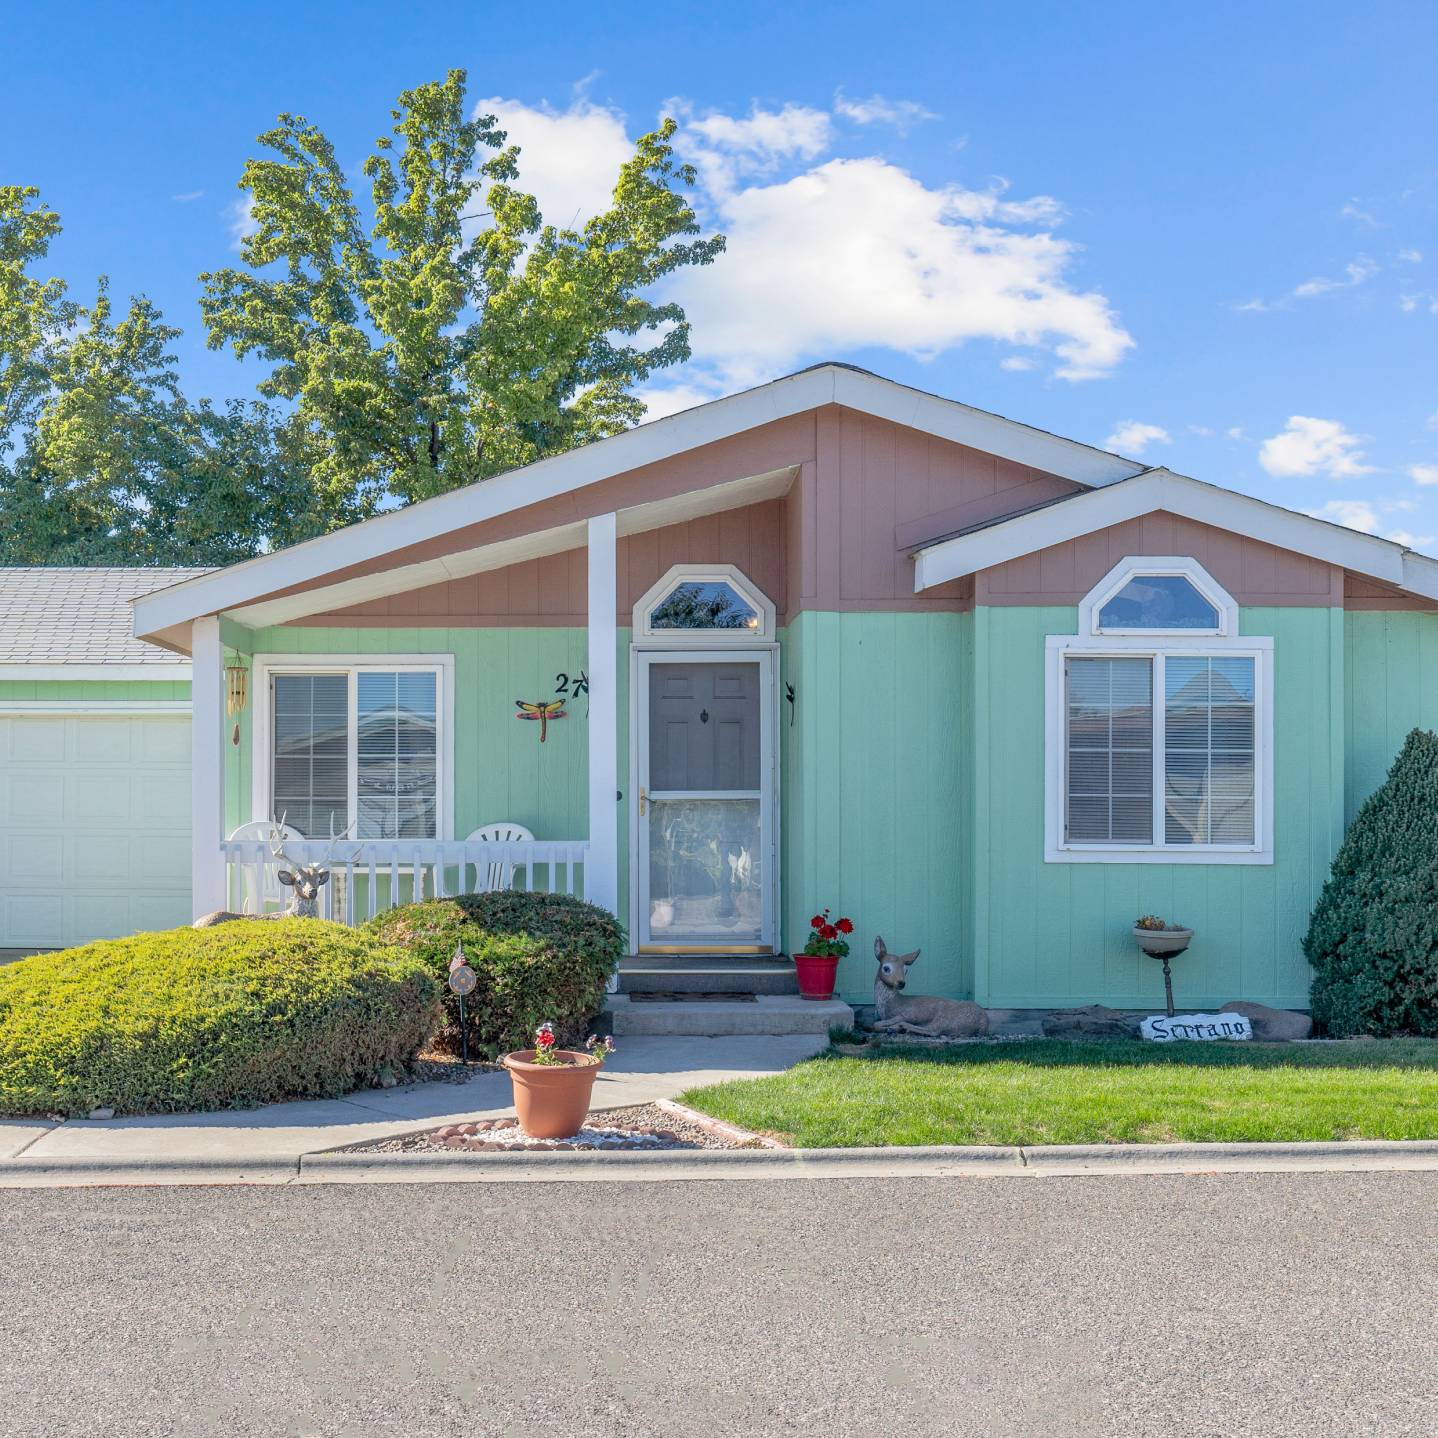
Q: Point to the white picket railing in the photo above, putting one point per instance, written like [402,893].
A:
[368,876]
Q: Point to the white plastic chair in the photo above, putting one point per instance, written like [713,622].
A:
[498,874]
[269,892]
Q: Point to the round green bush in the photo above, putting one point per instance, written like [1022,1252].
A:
[537,957]
[243,1013]
[1373,937]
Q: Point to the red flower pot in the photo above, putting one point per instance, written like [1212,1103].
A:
[816,975]
[551,1100]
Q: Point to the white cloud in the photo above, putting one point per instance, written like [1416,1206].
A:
[1354,273]
[1353,211]
[664,399]
[1423,473]
[827,256]
[242,220]
[188,197]
[903,115]
[1408,539]
[1311,446]
[1410,257]
[1132,437]
[569,159]
[1017,363]
[858,253]
[1235,432]
[1352,513]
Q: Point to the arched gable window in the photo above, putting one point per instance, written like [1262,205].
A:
[698,603]
[1158,729]
[1158,596]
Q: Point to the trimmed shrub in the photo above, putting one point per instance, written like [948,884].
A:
[1373,937]
[240,1014]
[536,956]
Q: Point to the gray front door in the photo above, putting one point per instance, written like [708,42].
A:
[704,858]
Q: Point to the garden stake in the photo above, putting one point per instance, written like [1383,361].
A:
[1167,986]
[462,980]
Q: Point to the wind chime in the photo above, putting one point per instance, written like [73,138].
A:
[237,688]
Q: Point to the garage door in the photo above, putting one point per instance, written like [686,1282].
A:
[94,826]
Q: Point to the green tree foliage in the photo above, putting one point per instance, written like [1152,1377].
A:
[102,458]
[459,335]
[1373,937]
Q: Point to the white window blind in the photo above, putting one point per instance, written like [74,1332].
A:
[360,745]
[1209,762]
[1109,741]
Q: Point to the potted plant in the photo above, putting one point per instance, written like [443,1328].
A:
[1163,941]
[818,963]
[552,1086]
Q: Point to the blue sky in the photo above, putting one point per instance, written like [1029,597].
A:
[1206,237]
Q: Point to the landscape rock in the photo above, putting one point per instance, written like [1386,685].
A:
[1093,1021]
[101,1113]
[1272,1025]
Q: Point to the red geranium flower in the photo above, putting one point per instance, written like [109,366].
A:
[844,926]
[817,922]
[828,932]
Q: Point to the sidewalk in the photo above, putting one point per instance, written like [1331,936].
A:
[265,1145]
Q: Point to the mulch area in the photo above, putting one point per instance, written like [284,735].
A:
[641,1128]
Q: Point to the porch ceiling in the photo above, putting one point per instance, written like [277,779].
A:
[636,519]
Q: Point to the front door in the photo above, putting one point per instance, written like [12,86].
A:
[705,856]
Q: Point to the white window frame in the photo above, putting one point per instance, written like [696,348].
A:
[651,638]
[1166,566]
[265,666]
[1156,646]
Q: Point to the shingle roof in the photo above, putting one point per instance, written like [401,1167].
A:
[79,616]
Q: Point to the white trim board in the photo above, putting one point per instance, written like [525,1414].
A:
[1161,489]
[646,444]
[89,673]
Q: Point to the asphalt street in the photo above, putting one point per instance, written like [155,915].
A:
[1213,1304]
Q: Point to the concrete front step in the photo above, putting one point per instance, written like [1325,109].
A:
[768,1014]
[648,974]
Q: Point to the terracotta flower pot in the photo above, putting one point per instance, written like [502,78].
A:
[816,975]
[552,1100]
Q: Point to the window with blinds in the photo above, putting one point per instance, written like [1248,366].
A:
[1207,749]
[358,746]
[1209,761]
[1109,740]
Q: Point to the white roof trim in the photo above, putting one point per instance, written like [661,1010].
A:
[46,672]
[646,444]
[1177,494]
[485,558]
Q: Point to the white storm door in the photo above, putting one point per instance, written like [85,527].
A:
[705,856]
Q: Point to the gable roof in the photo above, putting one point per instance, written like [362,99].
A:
[78,621]
[643,445]
[1084,512]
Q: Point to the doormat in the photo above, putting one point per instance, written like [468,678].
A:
[681,996]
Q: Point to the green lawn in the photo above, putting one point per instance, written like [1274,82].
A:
[1051,1091]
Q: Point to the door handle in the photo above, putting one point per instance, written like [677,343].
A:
[643,799]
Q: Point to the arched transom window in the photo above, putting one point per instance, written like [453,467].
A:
[704,604]
[1159,724]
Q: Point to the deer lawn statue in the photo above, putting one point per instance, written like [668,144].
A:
[928,1018]
[305,879]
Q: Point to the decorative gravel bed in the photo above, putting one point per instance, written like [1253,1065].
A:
[644,1127]
[436,1067]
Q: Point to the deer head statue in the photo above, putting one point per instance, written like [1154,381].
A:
[305,880]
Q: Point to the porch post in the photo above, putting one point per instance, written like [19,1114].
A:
[601,872]
[208,880]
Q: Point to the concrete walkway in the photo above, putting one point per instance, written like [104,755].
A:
[263,1144]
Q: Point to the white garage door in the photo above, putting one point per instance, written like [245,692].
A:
[94,826]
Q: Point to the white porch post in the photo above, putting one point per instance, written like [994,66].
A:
[207,768]
[601,873]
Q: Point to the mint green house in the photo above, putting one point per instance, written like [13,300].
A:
[829,642]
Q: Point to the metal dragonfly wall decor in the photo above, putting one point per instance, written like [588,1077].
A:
[543,710]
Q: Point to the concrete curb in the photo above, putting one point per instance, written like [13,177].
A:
[1095,1160]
